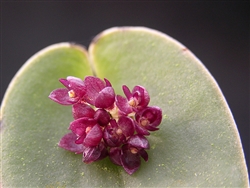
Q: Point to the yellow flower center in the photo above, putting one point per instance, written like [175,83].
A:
[87,130]
[119,131]
[134,150]
[72,94]
[132,102]
[144,122]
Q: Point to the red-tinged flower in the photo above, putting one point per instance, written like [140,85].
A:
[134,101]
[68,142]
[130,159]
[116,133]
[112,135]
[91,154]
[99,93]
[88,132]
[148,119]
[73,93]
[129,156]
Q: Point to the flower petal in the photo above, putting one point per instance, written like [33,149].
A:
[141,130]
[77,85]
[61,96]
[93,86]
[122,104]
[79,126]
[152,114]
[65,82]
[142,96]
[102,117]
[110,135]
[91,154]
[151,128]
[104,151]
[138,141]
[80,139]
[68,142]
[81,110]
[126,124]
[93,137]
[143,154]
[126,91]
[130,162]
[105,98]
[115,155]
[108,84]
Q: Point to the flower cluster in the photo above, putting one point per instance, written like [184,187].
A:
[106,124]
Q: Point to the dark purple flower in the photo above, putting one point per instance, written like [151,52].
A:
[91,154]
[148,119]
[129,155]
[116,132]
[134,101]
[68,142]
[130,159]
[113,135]
[72,94]
[99,93]
[88,132]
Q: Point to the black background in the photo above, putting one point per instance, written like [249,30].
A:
[216,32]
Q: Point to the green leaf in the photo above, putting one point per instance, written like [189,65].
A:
[197,145]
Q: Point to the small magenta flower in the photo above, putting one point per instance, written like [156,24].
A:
[131,153]
[73,93]
[88,132]
[106,124]
[134,101]
[116,133]
[99,93]
[90,154]
[148,119]
[129,156]
[113,136]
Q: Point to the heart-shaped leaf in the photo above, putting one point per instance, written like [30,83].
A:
[197,145]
